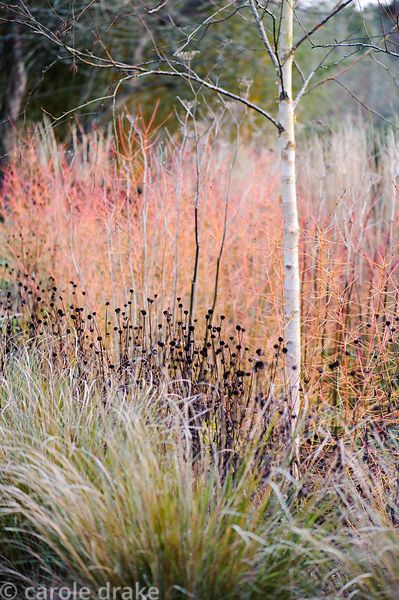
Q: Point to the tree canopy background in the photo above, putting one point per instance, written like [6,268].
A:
[228,49]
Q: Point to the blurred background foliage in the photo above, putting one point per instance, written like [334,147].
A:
[229,51]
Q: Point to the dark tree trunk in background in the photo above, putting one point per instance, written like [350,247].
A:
[14,73]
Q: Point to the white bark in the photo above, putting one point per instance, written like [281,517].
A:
[292,334]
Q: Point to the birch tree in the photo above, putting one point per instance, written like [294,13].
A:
[292,292]
[281,31]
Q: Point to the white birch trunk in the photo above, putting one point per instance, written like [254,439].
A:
[292,334]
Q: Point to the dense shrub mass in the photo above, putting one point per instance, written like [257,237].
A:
[144,426]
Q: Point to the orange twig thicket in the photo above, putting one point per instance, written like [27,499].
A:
[115,225]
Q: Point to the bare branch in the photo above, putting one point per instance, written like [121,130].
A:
[363,104]
[308,34]
[265,39]
[193,77]
[310,77]
[359,45]
[336,74]
[204,23]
